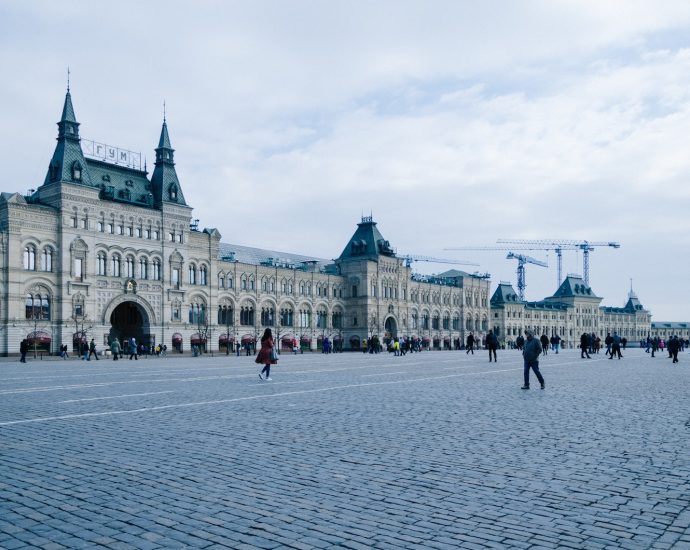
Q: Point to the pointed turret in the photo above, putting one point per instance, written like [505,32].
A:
[367,242]
[68,164]
[164,180]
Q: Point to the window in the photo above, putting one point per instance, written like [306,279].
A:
[243,283]
[119,230]
[129,267]
[171,237]
[85,223]
[115,266]
[143,268]
[109,228]
[78,306]
[203,275]
[286,317]
[192,274]
[78,269]
[267,316]
[179,238]
[137,232]
[229,281]
[100,226]
[251,283]
[74,222]
[304,318]
[197,314]
[156,235]
[100,264]
[76,169]
[446,323]
[176,312]
[30,258]
[225,316]
[221,281]
[337,319]
[47,259]
[129,231]
[415,321]
[147,233]
[247,316]
[354,291]
[37,307]
[321,319]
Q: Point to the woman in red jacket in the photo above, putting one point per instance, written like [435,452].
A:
[267,355]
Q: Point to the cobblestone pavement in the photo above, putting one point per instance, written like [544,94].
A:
[430,450]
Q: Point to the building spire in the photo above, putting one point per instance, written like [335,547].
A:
[68,79]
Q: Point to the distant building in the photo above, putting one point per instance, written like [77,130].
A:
[571,311]
[666,329]
[100,250]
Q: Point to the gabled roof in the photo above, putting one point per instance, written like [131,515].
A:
[574,287]
[633,303]
[120,183]
[367,243]
[505,294]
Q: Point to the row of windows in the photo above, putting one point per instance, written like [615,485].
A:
[46,258]
[143,269]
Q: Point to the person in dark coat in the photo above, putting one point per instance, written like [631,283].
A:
[492,345]
[266,356]
[470,344]
[674,347]
[544,341]
[530,352]
[584,346]
[23,348]
[615,346]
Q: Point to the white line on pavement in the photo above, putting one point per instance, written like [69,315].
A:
[384,374]
[248,398]
[115,396]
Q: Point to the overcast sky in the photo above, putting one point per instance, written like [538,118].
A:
[454,123]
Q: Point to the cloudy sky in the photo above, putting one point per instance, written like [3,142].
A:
[454,123]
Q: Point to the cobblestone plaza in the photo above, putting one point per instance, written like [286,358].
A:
[429,450]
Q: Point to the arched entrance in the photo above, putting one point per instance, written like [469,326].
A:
[391,328]
[129,320]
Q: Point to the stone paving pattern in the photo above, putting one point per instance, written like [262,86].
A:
[431,450]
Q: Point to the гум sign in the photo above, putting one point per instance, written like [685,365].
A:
[108,153]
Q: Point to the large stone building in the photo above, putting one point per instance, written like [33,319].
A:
[571,311]
[100,251]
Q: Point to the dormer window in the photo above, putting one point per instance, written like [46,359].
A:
[76,171]
[173,192]
[54,171]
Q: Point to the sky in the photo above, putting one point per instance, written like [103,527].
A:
[453,123]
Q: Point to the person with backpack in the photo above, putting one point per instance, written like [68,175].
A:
[530,353]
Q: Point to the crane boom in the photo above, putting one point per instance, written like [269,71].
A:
[409,258]
[565,244]
[522,260]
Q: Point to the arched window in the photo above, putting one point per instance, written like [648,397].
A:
[304,318]
[129,267]
[30,258]
[301,288]
[247,315]
[197,313]
[225,315]
[37,307]
[100,263]
[143,268]
[267,316]
[203,275]
[47,259]
[115,266]
[228,281]
[251,283]
[192,274]
[337,319]
[221,281]
[156,270]
[321,318]
[286,317]
[243,282]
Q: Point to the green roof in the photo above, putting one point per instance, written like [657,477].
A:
[367,243]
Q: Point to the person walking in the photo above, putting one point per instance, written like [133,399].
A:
[115,349]
[470,344]
[674,347]
[544,341]
[267,355]
[92,350]
[23,348]
[615,346]
[492,345]
[133,351]
[530,353]
[608,341]
[584,346]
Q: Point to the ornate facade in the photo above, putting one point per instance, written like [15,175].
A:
[571,311]
[100,251]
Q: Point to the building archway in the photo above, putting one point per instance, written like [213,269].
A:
[391,328]
[130,319]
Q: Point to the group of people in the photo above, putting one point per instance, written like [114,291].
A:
[674,345]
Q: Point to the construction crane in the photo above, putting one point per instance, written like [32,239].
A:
[559,245]
[409,258]
[522,260]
